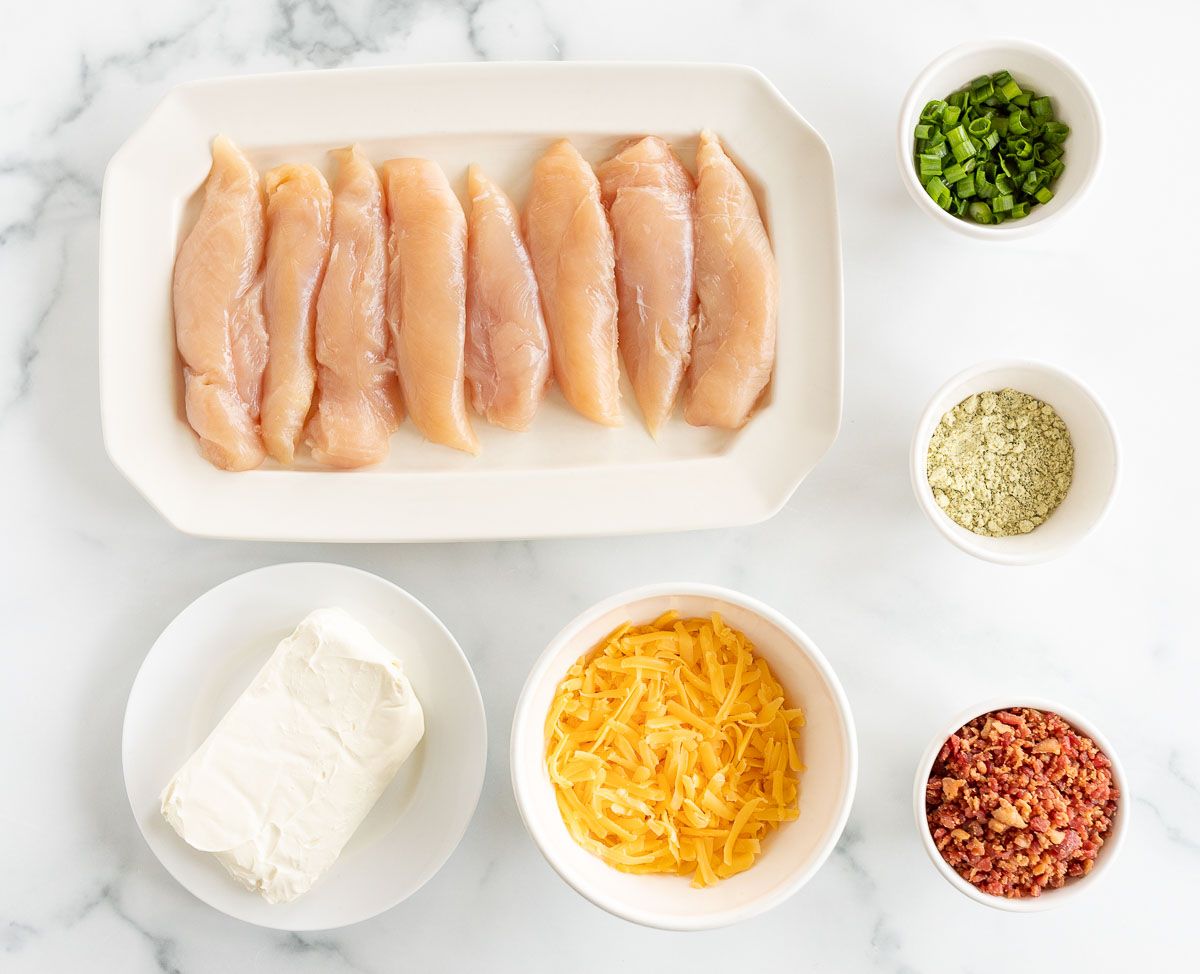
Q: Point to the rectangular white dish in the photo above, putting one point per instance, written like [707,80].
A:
[565,476]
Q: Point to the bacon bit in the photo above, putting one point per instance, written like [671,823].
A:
[1007,815]
[1011,824]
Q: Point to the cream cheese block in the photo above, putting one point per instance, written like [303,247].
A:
[282,782]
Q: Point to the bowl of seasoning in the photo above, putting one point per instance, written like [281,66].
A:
[1021,805]
[1014,461]
[997,138]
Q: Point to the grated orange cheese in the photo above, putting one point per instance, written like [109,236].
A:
[672,750]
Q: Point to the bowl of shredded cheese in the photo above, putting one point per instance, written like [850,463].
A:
[683,756]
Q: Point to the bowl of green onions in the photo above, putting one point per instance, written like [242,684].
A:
[996,138]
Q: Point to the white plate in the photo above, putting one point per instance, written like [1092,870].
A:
[208,655]
[565,476]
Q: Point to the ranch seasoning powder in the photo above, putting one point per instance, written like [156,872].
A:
[999,463]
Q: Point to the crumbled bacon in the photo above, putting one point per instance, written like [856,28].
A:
[1018,801]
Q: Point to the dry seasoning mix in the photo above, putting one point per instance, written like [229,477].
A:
[1018,801]
[999,463]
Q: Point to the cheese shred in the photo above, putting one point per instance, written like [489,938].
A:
[672,750]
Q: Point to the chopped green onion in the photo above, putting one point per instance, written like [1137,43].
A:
[990,151]
[984,188]
[939,192]
[980,212]
[1056,132]
[1035,180]
[978,127]
[1040,107]
[932,112]
[1021,148]
[1006,89]
[981,90]
[1019,122]
[962,150]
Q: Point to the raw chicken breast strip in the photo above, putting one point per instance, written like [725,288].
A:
[217,299]
[733,351]
[508,350]
[571,245]
[358,397]
[298,218]
[427,298]
[648,193]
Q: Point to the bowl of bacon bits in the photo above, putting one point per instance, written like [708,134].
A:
[1020,806]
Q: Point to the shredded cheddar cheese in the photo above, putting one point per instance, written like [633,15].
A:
[672,750]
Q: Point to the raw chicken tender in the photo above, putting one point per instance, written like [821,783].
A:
[733,351]
[648,193]
[508,350]
[426,298]
[217,299]
[297,253]
[358,397]
[572,250]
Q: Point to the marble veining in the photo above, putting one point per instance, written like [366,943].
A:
[915,629]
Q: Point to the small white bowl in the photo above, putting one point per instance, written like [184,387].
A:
[1096,460]
[1050,898]
[791,855]
[1032,66]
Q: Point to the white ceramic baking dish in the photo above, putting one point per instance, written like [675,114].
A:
[565,476]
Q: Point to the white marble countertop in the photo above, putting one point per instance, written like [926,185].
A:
[915,628]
